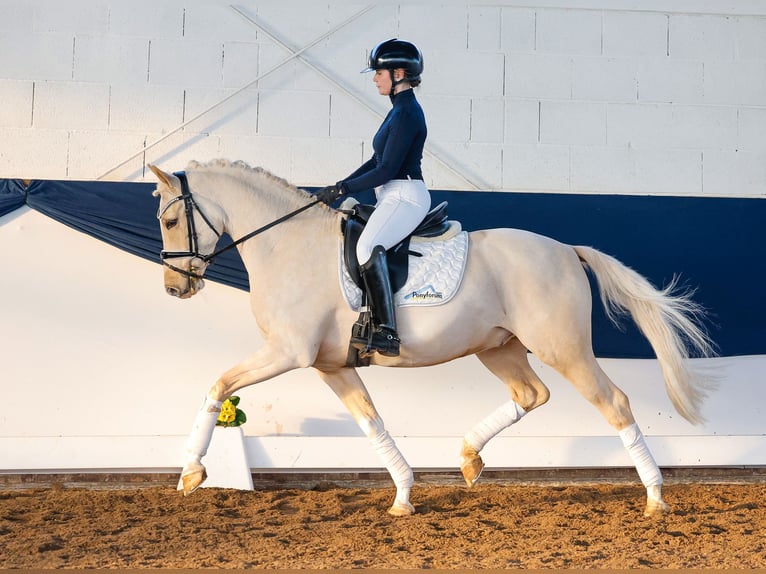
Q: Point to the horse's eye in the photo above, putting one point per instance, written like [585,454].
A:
[171,223]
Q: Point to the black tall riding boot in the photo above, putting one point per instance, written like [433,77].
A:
[383,338]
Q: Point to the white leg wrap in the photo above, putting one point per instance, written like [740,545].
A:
[635,444]
[497,421]
[202,429]
[397,467]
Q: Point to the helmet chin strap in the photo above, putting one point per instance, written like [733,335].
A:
[395,83]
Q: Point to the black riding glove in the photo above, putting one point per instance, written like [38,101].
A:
[329,194]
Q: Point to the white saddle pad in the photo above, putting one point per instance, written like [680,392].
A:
[433,279]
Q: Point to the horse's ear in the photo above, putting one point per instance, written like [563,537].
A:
[163,177]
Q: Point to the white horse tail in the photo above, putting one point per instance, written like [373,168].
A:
[668,319]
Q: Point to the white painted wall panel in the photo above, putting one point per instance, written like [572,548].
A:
[240,63]
[736,83]
[522,121]
[504,59]
[702,36]
[22,151]
[631,34]
[147,18]
[330,162]
[518,29]
[189,144]
[712,127]
[604,170]
[216,22]
[276,67]
[668,80]
[751,39]
[295,114]
[272,153]
[91,17]
[735,172]
[448,118]
[16,108]
[574,123]
[71,105]
[481,162]
[538,76]
[186,63]
[672,172]
[672,126]
[484,27]
[640,127]
[448,32]
[350,120]
[751,129]
[487,120]
[116,60]
[604,80]
[17,16]
[146,108]
[45,57]
[85,162]
[540,168]
[466,73]
[304,22]
[576,32]
[237,115]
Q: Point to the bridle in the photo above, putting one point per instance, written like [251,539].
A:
[190,206]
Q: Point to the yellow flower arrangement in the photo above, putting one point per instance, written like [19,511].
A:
[230,415]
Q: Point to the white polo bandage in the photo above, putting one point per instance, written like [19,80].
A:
[202,429]
[397,467]
[635,444]
[500,419]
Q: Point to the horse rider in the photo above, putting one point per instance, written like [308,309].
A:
[394,171]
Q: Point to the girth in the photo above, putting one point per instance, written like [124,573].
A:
[435,223]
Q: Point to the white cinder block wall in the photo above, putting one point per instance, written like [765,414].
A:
[584,96]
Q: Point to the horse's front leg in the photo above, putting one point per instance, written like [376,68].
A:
[352,392]
[265,364]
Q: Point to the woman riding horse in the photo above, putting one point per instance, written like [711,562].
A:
[394,171]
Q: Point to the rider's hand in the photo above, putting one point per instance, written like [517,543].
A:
[329,194]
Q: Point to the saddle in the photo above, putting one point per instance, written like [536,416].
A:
[434,224]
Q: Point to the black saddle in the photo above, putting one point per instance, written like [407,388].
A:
[435,223]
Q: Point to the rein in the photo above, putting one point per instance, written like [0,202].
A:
[189,207]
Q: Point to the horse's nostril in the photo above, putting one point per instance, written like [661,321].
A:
[172,291]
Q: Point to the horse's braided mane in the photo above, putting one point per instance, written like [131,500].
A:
[225,164]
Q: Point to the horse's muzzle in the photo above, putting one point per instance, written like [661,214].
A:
[182,286]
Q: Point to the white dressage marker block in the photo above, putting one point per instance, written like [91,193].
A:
[226,460]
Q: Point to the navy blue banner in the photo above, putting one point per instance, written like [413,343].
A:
[717,245]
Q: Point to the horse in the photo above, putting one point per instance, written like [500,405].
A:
[521,293]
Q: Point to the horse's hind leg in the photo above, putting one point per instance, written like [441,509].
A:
[509,363]
[591,381]
[352,392]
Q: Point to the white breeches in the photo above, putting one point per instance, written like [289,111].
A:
[402,204]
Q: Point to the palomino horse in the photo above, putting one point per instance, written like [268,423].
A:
[520,292]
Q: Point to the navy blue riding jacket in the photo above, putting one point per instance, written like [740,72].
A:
[398,146]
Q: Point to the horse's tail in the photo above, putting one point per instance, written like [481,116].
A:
[667,318]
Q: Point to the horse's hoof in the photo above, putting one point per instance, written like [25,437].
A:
[656,507]
[191,481]
[471,469]
[401,509]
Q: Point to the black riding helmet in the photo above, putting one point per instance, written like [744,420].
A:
[393,54]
